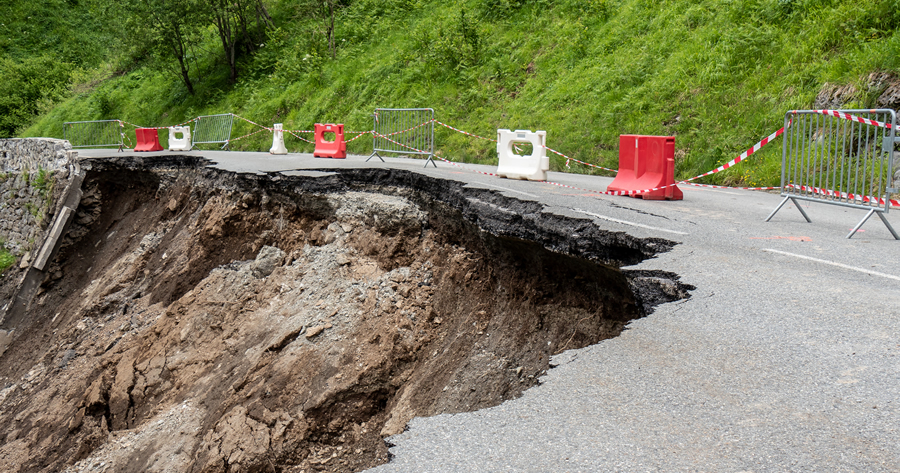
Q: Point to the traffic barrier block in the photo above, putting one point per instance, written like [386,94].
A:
[533,167]
[147,139]
[180,144]
[645,163]
[330,149]
[278,140]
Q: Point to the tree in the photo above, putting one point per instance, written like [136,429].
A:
[167,30]
[241,25]
[323,11]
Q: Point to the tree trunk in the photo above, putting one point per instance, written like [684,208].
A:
[185,77]
[330,28]
[226,35]
[180,50]
[263,14]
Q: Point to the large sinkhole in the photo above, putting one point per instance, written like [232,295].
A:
[198,320]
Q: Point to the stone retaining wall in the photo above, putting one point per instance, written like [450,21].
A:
[23,210]
[31,169]
[31,154]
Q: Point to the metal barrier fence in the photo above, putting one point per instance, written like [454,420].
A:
[841,157]
[404,131]
[95,133]
[212,129]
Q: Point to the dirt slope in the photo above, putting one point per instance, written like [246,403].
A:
[202,321]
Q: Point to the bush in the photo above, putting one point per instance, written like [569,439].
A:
[29,87]
[7,259]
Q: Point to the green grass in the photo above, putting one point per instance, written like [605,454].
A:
[717,75]
[7,259]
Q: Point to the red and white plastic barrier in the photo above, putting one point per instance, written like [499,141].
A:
[650,162]
[147,139]
[330,149]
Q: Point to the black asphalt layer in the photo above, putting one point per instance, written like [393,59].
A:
[785,358]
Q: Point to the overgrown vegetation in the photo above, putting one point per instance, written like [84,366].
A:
[7,259]
[718,75]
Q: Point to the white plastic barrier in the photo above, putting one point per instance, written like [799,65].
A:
[180,144]
[533,167]
[278,140]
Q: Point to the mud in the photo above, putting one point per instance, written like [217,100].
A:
[197,320]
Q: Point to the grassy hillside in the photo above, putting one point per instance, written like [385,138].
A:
[718,75]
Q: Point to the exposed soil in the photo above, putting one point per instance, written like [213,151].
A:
[201,321]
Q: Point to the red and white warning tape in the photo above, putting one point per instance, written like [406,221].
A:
[248,135]
[745,154]
[123,122]
[847,116]
[731,163]
[730,187]
[379,135]
[577,161]
[294,133]
[546,147]
[464,132]
[844,195]
[408,129]
[252,122]
[466,168]
[359,134]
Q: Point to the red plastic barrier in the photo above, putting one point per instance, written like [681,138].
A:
[147,139]
[647,162]
[330,149]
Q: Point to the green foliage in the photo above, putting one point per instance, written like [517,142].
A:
[34,210]
[448,49]
[165,31]
[718,75]
[29,87]
[7,259]
[43,182]
[43,43]
[74,31]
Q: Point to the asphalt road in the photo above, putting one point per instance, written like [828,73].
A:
[785,358]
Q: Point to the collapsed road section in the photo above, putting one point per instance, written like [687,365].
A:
[200,320]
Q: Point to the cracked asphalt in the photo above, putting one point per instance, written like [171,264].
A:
[785,358]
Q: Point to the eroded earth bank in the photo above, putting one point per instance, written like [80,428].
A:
[201,321]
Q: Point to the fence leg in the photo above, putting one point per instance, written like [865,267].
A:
[373,155]
[797,204]
[430,160]
[860,224]
[783,201]
[888,225]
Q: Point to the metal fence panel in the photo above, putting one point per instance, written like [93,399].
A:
[94,134]
[841,157]
[212,129]
[404,131]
